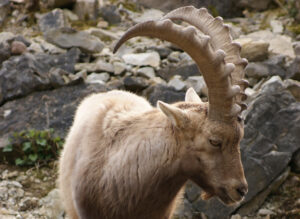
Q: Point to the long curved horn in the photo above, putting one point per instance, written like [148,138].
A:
[211,63]
[220,39]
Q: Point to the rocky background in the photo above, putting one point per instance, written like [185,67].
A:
[54,53]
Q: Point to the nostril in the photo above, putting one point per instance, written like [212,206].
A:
[242,190]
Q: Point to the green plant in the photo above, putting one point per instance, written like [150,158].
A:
[30,147]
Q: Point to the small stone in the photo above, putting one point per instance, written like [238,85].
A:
[142,59]
[70,15]
[110,14]
[18,48]
[276,26]
[253,50]
[264,212]
[52,20]
[174,56]
[147,72]
[198,83]
[135,84]
[177,83]
[97,78]
[119,68]
[158,80]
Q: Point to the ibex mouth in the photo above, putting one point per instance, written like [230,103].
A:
[224,197]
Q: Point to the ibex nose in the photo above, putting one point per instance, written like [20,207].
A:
[242,190]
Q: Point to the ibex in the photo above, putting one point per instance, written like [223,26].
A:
[124,159]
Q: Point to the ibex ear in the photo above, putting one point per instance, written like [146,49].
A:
[192,96]
[176,115]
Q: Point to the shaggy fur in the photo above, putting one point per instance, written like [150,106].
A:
[124,159]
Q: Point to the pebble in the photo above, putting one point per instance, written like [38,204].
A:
[265,211]
[147,72]
[177,83]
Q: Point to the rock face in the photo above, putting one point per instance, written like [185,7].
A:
[21,75]
[270,141]
[45,109]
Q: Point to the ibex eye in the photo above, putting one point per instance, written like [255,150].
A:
[215,143]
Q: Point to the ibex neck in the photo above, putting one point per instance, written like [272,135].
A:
[146,167]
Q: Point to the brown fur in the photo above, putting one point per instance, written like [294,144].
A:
[124,159]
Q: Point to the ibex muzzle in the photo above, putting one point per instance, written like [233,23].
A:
[124,159]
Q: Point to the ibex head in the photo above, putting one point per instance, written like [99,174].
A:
[209,133]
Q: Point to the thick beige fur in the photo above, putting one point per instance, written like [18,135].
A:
[124,159]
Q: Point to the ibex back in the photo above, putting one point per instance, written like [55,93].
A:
[124,159]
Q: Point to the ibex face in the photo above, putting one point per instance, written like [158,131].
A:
[212,156]
[210,132]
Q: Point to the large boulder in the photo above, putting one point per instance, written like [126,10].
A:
[272,128]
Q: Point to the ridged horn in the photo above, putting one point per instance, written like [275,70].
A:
[210,62]
[220,39]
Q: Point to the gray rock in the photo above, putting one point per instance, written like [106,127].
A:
[174,56]
[184,71]
[163,93]
[52,20]
[86,9]
[110,14]
[97,78]
[162,51]
[177,83]
[21,75]
[258,200]
[68,38]
[270,67]
[119,68]
[147,72]
[52,109]
[198,83]
[135,84]
[142,59]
